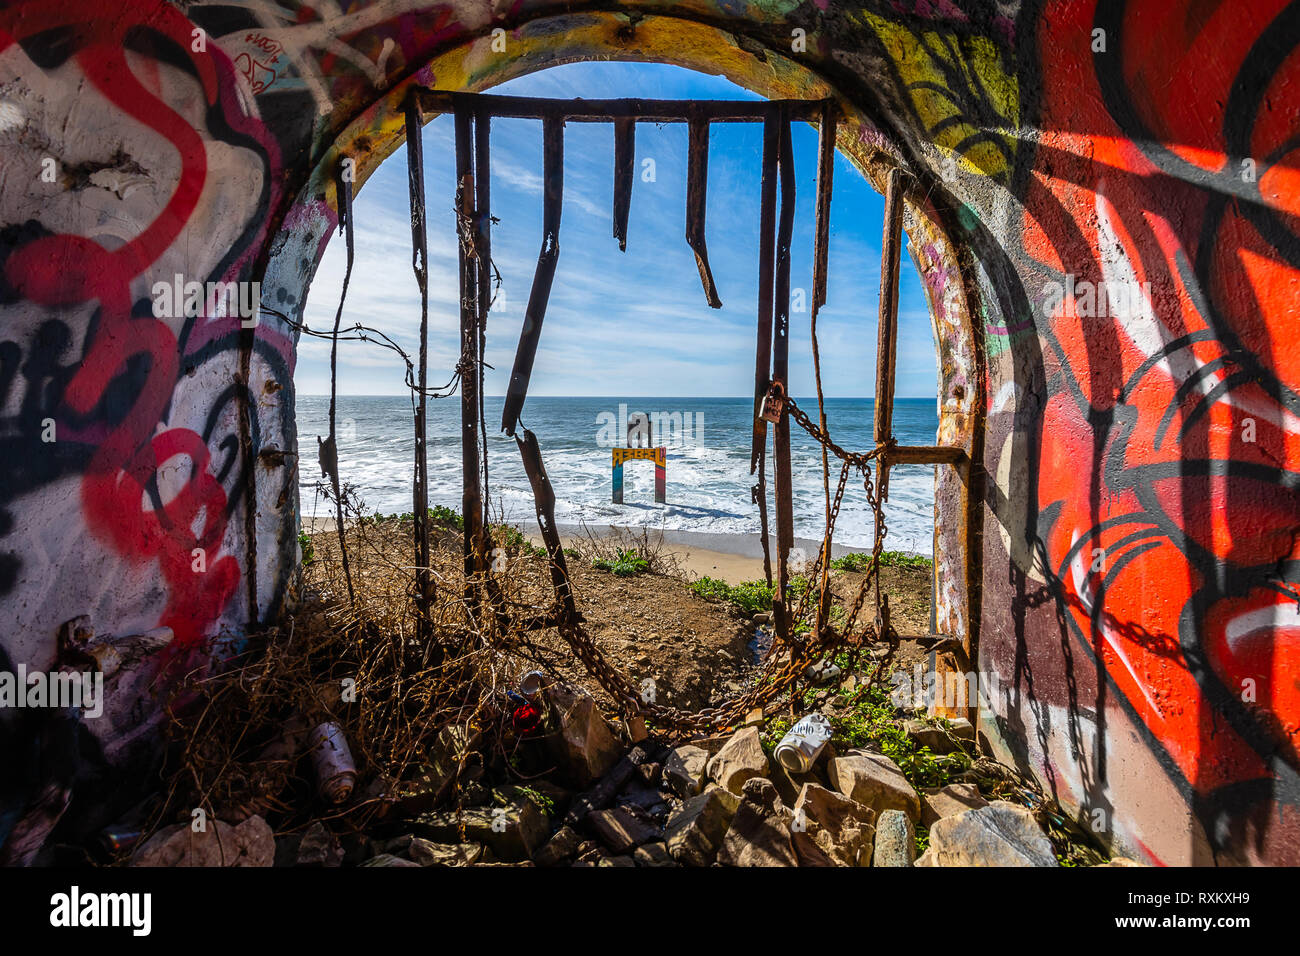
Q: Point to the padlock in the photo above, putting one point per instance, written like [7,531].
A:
[773,406]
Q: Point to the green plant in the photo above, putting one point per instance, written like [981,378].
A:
[624,564]
[307,548]
[860,561]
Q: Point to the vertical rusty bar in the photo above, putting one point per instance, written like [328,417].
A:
[420,265]
[329,452]
[470,370]
[821,263]
[825,179]
[544,500]
[553,178]
[624,175]
[781,374]
[887,343]
[697,191]
[766,257]
[483,244]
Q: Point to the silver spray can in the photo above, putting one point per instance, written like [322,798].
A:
[803,743]
[333,762]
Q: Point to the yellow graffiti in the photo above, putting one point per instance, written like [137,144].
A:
[658,455]
[960,91]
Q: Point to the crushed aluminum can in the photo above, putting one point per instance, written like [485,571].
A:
[803,743]
[119,839]
[530,686]
[333,762]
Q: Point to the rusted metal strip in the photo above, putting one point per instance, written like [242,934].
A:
[697,192]
[887,343]
[544,499]
[926,455]
[604,110]
[825,181]
[624,175]
[552,203]
[420,265]
[780,374]
[483,245]
[470,370]
[766,257]
[329,452]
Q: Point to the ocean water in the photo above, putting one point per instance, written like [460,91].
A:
[708,463]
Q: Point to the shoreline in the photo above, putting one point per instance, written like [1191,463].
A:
[731,557]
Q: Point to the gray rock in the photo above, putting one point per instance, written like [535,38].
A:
[895,840]
[740,759]
[620,830]
[936,803]
[755,840]
[514,833]
[249,844]
[559,848]
[1001,834]
[428,853]
[388,859]
[684,770]
[842,829]
[319,847]
[696,831]
[762,795]
[875,781]
[653,855]
[616,861]
[585,746]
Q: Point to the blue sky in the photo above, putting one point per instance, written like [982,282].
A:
[619,323]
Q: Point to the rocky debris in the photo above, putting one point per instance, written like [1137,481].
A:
[219,844]
[1121,861]
[761,792]
[696,830]
[875,781]
[757,840]
[319,847]
[584,746]
[653,855]
[616,861]
[938,803]
[602,795]
[684,770]
[895,840]
[789,784]
[621,830]
[388,859]
[428,853]
[1001,834]
[513,832]
[842,829]
[741,758]
[451,751]
[560,848]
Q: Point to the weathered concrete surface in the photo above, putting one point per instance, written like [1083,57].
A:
[1125,558]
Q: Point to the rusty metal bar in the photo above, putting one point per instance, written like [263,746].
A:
[781,374]
[624,176]
[420,265]
[483,246]
[825,180]
[697,190]
[766,265]
[604,110]
[887,343]
[926,455]
[329,449]
[553,177]
[470,370]
[544,499]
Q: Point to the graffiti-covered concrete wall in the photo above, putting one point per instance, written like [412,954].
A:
[1106,219]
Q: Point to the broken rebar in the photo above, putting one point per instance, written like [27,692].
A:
[780,375]
[544,501]
[888,332]
[553,178]
[624,170]
[329,451]
[697,190]
[420,265]
[763,350]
